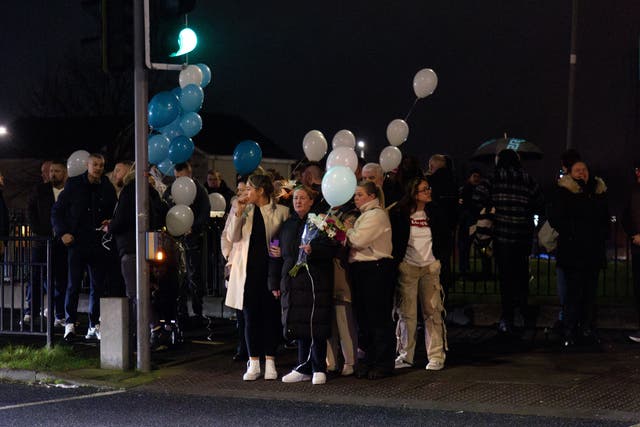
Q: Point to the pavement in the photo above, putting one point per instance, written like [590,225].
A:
[530,374]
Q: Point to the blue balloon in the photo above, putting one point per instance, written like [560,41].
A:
[191,97]
[173,129]
[180,149]
[166,167]
[163,109]
[206,74]
[176,91]
[247,157]
[158,148]
[191,124]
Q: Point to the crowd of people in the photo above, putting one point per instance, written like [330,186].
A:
[348,284]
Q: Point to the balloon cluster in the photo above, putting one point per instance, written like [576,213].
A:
[339,182]
[180,217]
[424,83]
[174,120]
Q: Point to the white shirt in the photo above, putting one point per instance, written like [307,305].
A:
[420,245]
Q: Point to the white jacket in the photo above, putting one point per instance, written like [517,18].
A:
[370,237]
[239,232]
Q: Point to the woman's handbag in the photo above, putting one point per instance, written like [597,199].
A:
[548,237]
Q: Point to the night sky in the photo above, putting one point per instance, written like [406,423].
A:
[289,67]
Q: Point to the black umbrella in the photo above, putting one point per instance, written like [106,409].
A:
[526,149]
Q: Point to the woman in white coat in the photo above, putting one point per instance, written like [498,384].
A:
[251,228]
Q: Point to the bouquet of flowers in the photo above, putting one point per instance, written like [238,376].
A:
[328,225]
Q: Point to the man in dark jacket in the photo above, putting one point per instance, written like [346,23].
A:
[631,224]
[516,197]
[201,208]
[78,217]
[39,206]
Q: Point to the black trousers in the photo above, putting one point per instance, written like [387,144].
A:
[262,328]
[512,263]
[312,356]
[580,303]
[373,289]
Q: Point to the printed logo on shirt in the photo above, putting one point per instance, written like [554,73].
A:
[420,222]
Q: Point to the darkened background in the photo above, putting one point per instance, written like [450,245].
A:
[288,67]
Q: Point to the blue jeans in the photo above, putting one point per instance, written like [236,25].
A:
[94,259]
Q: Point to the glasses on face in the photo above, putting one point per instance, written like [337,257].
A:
[424,190]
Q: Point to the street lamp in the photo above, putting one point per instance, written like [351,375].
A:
[4,131]
[361,145]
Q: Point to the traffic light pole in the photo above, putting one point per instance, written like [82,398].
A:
[140,88]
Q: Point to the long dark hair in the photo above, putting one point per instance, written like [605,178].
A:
[407,204]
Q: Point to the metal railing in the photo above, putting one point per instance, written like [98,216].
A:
[25,269]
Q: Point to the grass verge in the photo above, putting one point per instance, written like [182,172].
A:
[57,358]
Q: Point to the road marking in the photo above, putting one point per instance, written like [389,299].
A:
[65,399]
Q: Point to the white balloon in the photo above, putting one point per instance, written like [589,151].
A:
[338,185]
[179,220]
[77,163]
[425,82]
[390,158]
[343,156]
[217,201]
[344,138]
[397,132]
[192,74]
[314,145]
[183,191]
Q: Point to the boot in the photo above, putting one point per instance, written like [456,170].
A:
[253,370]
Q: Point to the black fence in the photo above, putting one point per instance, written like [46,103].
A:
[25,270]
[615,281]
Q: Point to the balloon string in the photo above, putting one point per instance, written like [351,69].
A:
[411,109]
[298,165]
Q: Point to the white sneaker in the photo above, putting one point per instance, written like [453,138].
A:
[69,331]
[347,370]
[434,365]
[253,371]
[45,313]
[93,333]
[319,378]
[270,372]
[59,323]
[401,363]
[296,377]
[26,319]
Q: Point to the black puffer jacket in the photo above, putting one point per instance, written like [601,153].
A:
[306,292]
[580,214]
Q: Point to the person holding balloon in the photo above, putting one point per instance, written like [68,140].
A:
[251,288]
[307,291]
[371,269]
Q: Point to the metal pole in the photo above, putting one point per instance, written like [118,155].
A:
[573,59]
[143,362]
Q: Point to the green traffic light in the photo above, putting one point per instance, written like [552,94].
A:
[187,41]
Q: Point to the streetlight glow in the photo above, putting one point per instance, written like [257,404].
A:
[4,131]
[361,145]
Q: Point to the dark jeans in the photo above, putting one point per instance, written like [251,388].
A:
[561,283]
[373,289]
[39,282]
[512,263]
[193,252]
[242,342]
[580,303]
[93,257]
[312,356]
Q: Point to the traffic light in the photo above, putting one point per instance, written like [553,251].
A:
[169,36]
